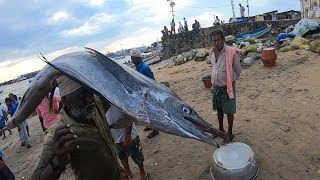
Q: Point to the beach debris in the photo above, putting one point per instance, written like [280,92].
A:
[260,47]
[201,56]
[315,46]
[252,54]
[251,40]
[302,43]
[286,49]
[244,44]
[189,55]
[248,61]
[250,48]
[122,86]
[230,39]
[179,60]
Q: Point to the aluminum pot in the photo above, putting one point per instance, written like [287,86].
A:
[234,161]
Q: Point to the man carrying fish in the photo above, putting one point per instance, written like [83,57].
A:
[82,138]
[226,70]
[144,69]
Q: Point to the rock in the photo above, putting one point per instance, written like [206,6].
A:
[315,46]
[248,61]
[179,60]
[202,50]
[248,49]
[198,59]
[201,54]
[252,54]
[251,40]
[208,60]
[258,41]
[260,47]
[244,44]
[230,39]
[188,55]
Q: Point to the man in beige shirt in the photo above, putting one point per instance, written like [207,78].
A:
[220,99]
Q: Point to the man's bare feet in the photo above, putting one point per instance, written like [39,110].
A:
[230,136]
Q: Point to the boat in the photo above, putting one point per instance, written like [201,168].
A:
[254,34]
[1,91]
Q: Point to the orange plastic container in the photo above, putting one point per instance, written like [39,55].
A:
[207,81]
[269,57]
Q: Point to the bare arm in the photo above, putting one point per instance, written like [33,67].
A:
[127,138]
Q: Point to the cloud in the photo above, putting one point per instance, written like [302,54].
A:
[96,2]
[59,16]
[155,11]
[92,26]
[144,36]
[23,65]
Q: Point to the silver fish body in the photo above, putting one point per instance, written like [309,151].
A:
[145,100]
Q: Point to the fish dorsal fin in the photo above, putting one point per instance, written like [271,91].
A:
[119,72]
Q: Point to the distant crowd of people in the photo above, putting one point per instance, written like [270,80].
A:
[182,27]
[196,25]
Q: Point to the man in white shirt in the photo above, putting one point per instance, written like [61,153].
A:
[127,142]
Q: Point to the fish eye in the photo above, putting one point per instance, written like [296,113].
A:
[186,110]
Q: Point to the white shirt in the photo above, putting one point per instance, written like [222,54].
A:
[113,115]
[57,91]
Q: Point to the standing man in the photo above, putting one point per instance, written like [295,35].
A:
[226,70]
[165,31]
[173,27]
[2,125]
[23,134]
[16,102]
[180,29]
[144,69]
[242,10]
[127,142]
[4,110]
[196,31]
[217,21]
[185,25]
[81,138]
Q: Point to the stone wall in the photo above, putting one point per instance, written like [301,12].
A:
[177,43]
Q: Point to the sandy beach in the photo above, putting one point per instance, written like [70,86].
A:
[277,115]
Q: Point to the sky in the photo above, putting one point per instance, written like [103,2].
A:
[56,27]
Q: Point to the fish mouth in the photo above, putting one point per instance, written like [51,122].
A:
[206,127]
